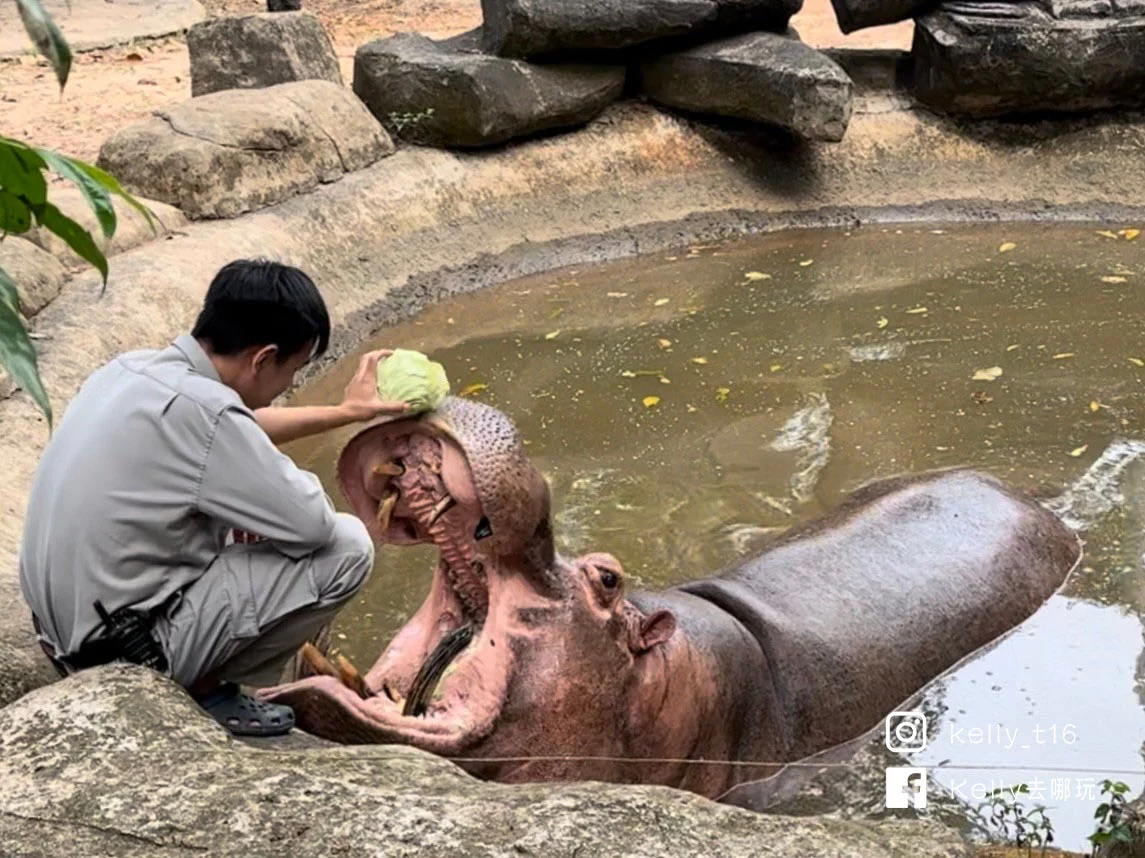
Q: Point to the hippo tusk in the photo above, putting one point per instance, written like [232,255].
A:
[317,661]
[350,677]
[389,469]
[385,510]
[443,506]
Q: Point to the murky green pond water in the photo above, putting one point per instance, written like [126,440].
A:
[687,406]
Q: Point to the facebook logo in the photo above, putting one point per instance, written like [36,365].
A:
[906,787]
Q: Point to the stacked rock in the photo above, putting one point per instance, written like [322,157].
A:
[540,65]
[988,58]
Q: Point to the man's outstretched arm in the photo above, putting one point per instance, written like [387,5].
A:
[359,403]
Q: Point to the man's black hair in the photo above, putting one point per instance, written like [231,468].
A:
[255,302]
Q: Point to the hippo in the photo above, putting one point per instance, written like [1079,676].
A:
[522,665]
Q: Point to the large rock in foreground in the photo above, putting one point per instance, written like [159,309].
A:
[760,77]
[254,51]
[231,152]
[526,28]
[117,761]
[38,276]
[450,94]
[980,65]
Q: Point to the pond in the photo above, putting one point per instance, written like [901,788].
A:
[688,406]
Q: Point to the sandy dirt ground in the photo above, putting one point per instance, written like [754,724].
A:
[111,88]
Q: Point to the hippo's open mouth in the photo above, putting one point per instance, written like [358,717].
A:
[442,681]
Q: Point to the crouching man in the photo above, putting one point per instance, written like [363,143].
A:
[158,460]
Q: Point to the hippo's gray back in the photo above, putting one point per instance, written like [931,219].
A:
[857,611]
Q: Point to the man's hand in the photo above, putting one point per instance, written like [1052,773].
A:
[361,399]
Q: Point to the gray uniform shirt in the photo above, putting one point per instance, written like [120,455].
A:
[154,461]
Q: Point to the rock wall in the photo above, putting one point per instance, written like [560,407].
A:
[119,762]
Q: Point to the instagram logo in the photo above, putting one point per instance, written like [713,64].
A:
[906,732]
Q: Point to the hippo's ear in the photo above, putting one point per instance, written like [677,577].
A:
[654,630]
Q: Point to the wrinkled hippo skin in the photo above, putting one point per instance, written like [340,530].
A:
[796,650]
[980,65]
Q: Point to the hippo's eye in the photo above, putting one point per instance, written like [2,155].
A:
[609,579]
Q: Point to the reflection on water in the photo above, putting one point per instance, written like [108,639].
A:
[688,406]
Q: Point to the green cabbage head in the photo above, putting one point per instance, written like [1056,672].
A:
[411,377]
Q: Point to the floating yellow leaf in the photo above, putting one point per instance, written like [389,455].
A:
[806,262]
[660,302]
[1114,278]
[1006,247]
[664,380]
[450,321]
[617,294]
[651,401]
[1130,234]
[471,389]
[1063,356]
[699,360]
[664,343]
[882,322]
[1012,348]
[988,374]
[556,313]
[916,310]
[1094,406]
[1079,450]
[1137,361]
[692,409]
[722,393]
[552,335]
[752,276]
[776,367]
[1107,233]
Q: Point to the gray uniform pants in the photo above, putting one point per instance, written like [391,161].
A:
[252,610]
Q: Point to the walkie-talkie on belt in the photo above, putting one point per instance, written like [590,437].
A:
[129,632]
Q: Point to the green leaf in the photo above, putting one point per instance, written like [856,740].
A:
[109,181]
[1099,838]
[97,197]
[21,172]
[77,238]
[1102,809]
[17,354]
[15,216]
[47,38]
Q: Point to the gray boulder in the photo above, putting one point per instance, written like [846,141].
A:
[38,276]
[760,77]
[118,762]
[238,150]
[255,51]
[526,28]
[972,61]
[451,94]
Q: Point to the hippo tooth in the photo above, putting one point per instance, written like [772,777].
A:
[443,506]
[350,677]
[389,469]
[385,510]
